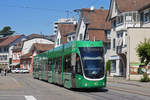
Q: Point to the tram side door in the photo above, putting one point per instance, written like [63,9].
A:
[59,70]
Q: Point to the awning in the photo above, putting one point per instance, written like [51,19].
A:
[14,64]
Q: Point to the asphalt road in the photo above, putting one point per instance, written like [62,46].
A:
[24,87]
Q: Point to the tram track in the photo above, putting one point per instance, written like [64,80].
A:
[129,91]
[113,94]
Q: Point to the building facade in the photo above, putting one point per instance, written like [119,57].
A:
[92,26]
[16,55]
[33,45]
[6,46]
[26,61]
[63,30]
[63,21]
[123,14]
[34,38]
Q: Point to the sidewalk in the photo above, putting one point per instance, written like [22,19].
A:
[121,84]
[122,80]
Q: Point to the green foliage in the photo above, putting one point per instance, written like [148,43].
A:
[108,66]
[143,51]
[6,31]
[145,78]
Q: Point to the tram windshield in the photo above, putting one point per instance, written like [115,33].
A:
[93,62]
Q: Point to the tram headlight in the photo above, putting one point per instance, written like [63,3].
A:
[85,84]
[79,78]
[95,83]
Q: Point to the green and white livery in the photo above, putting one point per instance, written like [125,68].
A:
[77,64]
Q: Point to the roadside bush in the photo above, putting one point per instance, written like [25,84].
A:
[145,78]
[108,66]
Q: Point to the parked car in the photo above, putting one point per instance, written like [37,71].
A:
[20,70]
[13,71]
[25,71]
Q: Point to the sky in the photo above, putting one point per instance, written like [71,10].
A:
[37,16]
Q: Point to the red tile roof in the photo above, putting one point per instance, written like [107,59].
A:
[131,5]
[33,35]
[97,23]
[95,35]
[64,29]
[43,47]
[96,18]
[28,55]
[5,41]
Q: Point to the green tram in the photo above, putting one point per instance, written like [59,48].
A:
[77,64]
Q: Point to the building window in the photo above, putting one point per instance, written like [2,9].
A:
[114,23]
[113,66]
[119,20]
[108,45]
[69,39]
[146,17]
[58,42]
[114,43]
[128,17]
[73,38]
[0,49]
[108,34]
[80,36]
[15,56]
[135,16]
[119,34]
[18,55]
[1,58]
[142,17]
[5,49]
[5,57]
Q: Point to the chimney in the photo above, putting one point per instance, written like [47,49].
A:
[102,8]
[92,8]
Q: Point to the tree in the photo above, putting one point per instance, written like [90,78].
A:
[6,31]
[143,51]
[108,66]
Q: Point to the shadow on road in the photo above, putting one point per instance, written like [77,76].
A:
[91,90]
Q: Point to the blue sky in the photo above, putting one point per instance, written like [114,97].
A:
[36,16]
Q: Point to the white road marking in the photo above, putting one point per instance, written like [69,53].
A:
[30,97]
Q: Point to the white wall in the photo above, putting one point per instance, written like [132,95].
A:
[58,36]
[135,36]
[81,30]
[28,44]
[114,9]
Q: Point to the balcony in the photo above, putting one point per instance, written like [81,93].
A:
[121,46]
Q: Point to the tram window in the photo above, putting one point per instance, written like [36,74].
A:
[78,65]
[40,66]
[67,64]
[54,65]
[50,65]
[64,65]
[59,65]
[44,65]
